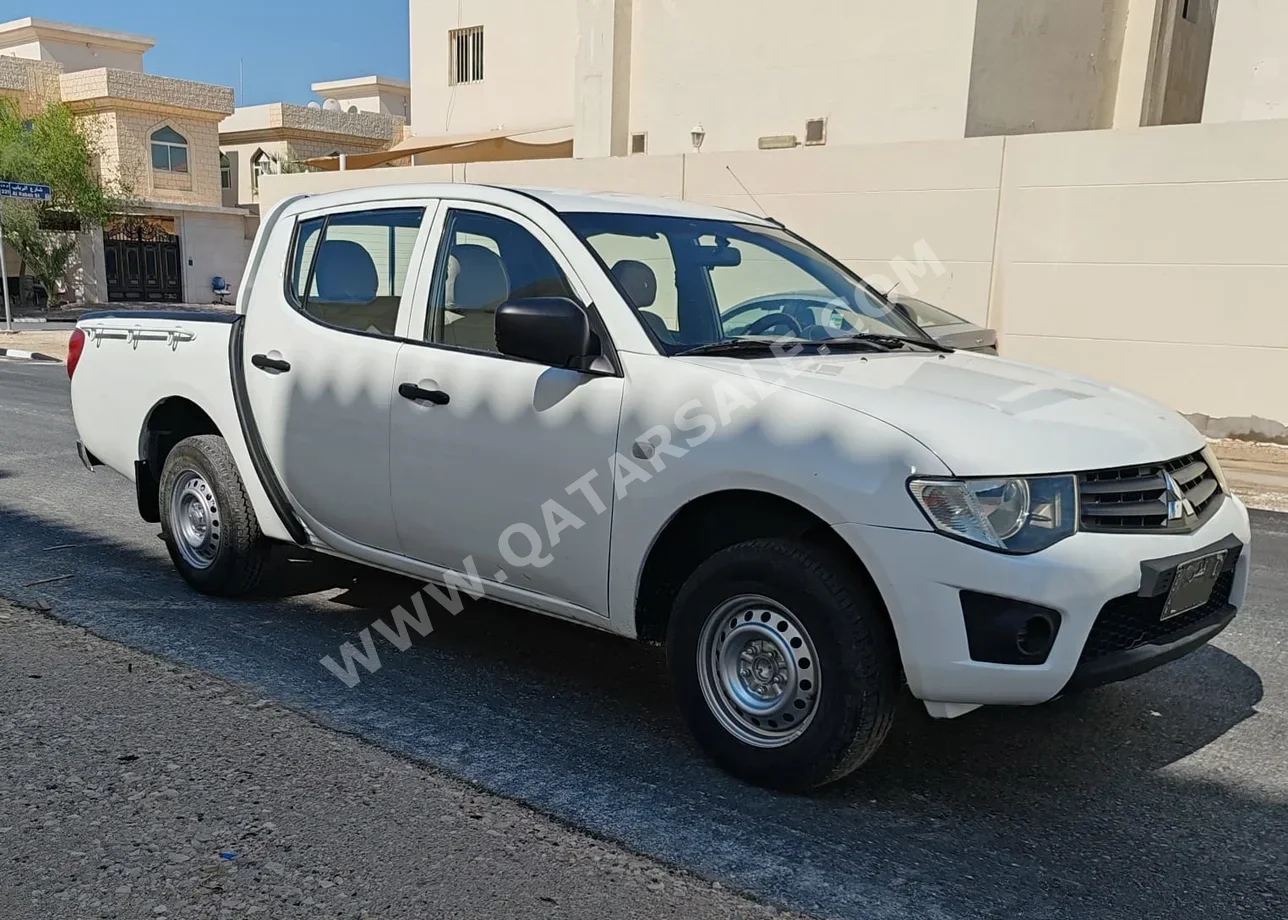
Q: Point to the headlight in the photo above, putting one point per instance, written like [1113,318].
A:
[1013,515]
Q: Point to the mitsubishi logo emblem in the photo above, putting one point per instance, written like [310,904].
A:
[1178,506]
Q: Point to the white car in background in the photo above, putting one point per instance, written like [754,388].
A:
[542,395]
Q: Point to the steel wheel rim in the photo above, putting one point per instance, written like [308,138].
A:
[195,520]
[758,671]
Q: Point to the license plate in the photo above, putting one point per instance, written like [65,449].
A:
[1193,584]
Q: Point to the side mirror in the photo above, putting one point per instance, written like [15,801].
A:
[549,330]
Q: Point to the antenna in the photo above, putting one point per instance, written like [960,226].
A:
[332,105]
[748,191]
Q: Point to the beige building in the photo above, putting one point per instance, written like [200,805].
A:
[1150,255]
[481,65]
[261,139]
[157,143]
[188,162]
[639,77]
[1249,75]
[369,94]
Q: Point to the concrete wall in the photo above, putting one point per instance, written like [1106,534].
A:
[1154,258]
[1044,65]
[273,189]
[1248,78]
[216,244]
[88,275]
[530,52]
[878,71]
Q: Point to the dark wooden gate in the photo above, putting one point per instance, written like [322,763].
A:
[143,262]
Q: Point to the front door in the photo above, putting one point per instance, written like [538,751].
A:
[512,469]
[319,357]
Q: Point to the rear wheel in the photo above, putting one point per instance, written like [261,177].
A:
[784,664]
[207,520]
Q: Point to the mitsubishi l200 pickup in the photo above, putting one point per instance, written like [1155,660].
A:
[562,402]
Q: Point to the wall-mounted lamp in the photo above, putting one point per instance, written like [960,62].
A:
[698,134]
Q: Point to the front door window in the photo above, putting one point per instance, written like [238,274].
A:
[484,261]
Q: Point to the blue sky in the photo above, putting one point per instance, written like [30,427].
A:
[283,45]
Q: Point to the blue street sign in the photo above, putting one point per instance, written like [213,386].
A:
[25,190]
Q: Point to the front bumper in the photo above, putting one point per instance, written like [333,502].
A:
[921,575]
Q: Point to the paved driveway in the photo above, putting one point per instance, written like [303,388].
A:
[1163,797]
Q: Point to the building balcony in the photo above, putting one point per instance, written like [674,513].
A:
[281,119]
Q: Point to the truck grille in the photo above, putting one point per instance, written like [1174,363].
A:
[1131,621]
[1137,499]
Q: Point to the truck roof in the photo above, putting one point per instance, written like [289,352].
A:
[564,201]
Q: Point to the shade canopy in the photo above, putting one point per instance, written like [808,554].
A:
[525,144]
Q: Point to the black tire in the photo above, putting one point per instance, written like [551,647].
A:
[240,551]
[858,661]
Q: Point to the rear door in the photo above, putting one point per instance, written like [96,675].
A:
[321,344]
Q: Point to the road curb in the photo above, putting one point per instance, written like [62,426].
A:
[27,355]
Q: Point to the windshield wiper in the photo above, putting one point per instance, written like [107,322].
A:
[783,348]
[889,341]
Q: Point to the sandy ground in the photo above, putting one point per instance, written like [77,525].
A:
[53,344]
[1258,452]
[133,788]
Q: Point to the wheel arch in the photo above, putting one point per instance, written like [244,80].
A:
[168,422]
[709,523]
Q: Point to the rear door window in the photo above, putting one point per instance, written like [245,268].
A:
[348,270]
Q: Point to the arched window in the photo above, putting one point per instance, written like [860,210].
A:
[260,164]
[225,171]
[169,151]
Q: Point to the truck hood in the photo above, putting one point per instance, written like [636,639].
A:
[986,416]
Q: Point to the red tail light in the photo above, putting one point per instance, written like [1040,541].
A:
[75,346]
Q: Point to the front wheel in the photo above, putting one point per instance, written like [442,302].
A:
[207,520]
[784,664]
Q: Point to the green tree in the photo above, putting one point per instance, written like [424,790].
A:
[51,149]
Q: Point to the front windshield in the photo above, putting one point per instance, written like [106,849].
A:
[700,282]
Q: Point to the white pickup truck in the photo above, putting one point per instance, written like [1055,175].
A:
[563,400]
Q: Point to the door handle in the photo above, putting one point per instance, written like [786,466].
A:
[265,363]
[415,393]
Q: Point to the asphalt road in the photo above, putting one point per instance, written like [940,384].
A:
[241,808]
[1166,796]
